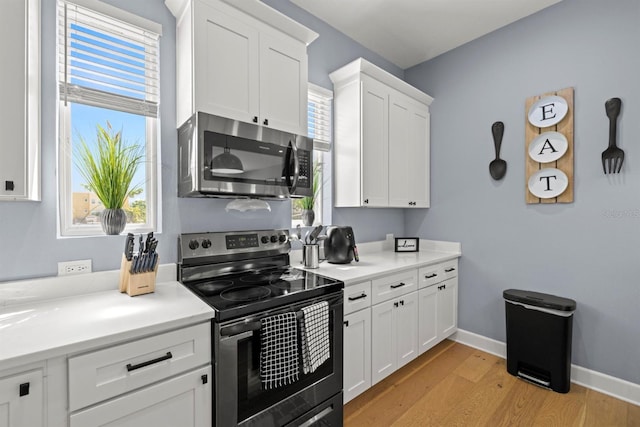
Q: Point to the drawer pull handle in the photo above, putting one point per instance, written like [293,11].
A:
[430,276]
[449,270]
[358,297]
[346,323]
[24,389]
[395,304]
[205,379]
[131,367]
[399,285]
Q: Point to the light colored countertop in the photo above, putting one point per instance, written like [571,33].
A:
[40,329]
[378,259]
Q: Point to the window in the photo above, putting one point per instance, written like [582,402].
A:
[108,77]
[319,115]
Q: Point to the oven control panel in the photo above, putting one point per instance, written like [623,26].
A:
[196,245]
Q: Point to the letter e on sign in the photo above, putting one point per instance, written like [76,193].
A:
[548,111]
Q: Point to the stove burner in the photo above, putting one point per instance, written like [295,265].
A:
[245,293]
[209,288]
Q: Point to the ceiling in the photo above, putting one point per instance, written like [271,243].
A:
[408,32]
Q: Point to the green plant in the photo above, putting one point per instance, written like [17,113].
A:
[109,167]
[307,203]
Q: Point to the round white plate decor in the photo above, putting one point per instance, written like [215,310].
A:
[548,111]
[548,147]
[548,183]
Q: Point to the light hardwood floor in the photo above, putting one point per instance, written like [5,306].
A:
[456,385]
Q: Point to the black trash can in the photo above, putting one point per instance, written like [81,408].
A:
[539,331]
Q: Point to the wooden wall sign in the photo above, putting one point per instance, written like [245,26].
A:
[549,147]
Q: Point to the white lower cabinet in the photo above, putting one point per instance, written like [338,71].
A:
[391,319]
[22,399]
[183,401]
[394,338]
[357,353]
[438,304]
[163,381]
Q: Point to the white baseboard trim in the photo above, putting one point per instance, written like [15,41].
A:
[603,383]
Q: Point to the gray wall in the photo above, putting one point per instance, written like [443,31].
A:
[28,243]
[586,250]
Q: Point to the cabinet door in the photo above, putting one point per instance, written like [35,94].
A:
[406,329]
[400,119]
[447,308]
[26,410]
[226,65]
[183,401]
[418,183]
[427,318]
[283,84]
[375,143]
[20,106]
[357,353]
[383,347]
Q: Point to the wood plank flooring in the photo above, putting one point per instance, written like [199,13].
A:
[456,385]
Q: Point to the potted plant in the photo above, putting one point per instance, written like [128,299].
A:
[306,204]
[108,169]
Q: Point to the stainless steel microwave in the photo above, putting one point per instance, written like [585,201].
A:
[220,157]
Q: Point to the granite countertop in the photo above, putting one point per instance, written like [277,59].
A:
[40,329]
[379,259]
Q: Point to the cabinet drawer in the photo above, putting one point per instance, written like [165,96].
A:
[450,269]
[432,274]
[357,297]
[106,373]
[394,285]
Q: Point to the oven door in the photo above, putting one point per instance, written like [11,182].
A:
[239,396]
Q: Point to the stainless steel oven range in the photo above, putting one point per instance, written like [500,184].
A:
[277,330]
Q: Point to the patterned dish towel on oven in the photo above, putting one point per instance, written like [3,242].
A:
[279,363]
[314,332]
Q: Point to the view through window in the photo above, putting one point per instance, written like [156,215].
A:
[108,69]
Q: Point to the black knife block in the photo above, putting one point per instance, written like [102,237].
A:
[139,283]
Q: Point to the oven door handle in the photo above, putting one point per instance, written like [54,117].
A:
[320,415]
[240,328]
[293,184]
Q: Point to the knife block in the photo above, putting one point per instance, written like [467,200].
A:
[136,284]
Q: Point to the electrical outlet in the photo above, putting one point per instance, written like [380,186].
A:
[66,268]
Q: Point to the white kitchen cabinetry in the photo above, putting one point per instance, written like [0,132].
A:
[357,340]
[438,304]
[20,105]
[241,60]
[22,399]
[381,139]
[162,380]
[394,323]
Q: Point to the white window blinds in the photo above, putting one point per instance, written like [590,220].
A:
[107,62]
[320,116]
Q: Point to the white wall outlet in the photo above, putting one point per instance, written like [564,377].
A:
[66,268]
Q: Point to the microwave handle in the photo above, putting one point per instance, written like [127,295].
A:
[293,184]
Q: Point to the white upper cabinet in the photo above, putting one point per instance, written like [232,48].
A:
[20,104]
[241,60]
[381,139]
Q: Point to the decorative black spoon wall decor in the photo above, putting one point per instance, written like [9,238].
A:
[497,167]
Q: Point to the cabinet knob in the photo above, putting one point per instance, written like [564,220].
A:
[205,379]
[24,389]
[9,186]
[346,323]
[401,302]
[266,122]
[395,304]
[366,200]
[255,119]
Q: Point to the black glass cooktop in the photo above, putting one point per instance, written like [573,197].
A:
[246,293]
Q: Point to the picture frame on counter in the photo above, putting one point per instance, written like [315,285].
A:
[407,244]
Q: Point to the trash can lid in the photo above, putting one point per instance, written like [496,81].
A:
[539,299]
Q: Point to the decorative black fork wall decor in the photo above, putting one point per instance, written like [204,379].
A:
[612,157]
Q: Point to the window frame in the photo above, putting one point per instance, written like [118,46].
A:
[152,184]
